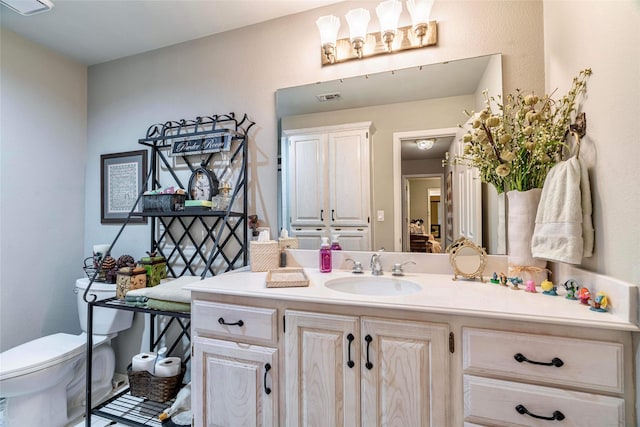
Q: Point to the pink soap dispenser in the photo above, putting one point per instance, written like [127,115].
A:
[335,244]
[325,256]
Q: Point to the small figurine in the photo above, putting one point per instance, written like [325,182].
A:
[530,287]
[548,288]
[503,279]
[584,295]
[494,278]
[572,287]
[515,281]
[600,303]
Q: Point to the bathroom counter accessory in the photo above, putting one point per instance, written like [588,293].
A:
[286,278]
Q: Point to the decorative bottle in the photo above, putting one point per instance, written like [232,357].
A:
[325,256]
[335,244]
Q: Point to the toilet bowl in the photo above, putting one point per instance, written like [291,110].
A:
[43,381]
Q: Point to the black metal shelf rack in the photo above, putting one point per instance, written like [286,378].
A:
[194,242]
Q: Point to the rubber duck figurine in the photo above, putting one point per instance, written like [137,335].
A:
[548,288]
[584,295]
[600,303]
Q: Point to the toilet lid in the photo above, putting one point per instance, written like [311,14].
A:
[42,353]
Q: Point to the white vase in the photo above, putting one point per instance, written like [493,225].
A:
[521,218]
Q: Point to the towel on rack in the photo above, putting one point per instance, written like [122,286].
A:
[564,229]
[169,290]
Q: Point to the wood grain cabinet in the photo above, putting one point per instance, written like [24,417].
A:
[234,380]
[513,379]
[363,371]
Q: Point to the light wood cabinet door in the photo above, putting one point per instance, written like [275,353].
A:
[234,385]
[405,373]
[322,387]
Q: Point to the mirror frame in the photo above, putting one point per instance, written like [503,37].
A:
[454,251]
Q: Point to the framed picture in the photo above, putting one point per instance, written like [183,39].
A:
[435,230]
[122,176]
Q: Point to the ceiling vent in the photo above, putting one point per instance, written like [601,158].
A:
[28,7]
[328,97]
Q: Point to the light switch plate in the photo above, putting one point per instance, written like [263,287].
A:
[380,215]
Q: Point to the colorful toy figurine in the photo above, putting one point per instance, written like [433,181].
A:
[494,278]
[503,279]
[530,286]
[572,287]
[584,295]
[548,288]
[600,303]
[515,281]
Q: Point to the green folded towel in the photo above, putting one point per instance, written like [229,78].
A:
[158,304]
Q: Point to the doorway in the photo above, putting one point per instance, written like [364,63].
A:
[422,213]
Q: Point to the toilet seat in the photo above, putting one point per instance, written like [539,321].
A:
[43,353]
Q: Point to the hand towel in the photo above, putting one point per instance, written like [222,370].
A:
[171,290]
[563,230]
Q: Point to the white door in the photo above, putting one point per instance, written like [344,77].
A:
[467,204]
[349,178]
[307,179]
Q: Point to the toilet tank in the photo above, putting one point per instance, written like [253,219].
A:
[106,321]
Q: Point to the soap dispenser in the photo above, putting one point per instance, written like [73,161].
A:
[325,256]
[335,244]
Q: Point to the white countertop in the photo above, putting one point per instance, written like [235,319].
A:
[440,294]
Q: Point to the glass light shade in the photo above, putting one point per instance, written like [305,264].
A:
[420,11]
[328,26]
[425,144]
[358,20]
[388,13]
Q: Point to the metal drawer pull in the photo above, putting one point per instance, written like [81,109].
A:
[368,339]
[557,415]
[238,323]
[556,361]
[267,368]
[350,363]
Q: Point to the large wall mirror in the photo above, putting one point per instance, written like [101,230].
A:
[407,184]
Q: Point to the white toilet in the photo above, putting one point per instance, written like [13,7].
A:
[43,381]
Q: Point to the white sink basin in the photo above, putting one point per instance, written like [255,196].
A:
[373,285]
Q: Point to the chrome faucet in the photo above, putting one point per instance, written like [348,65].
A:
[376,265]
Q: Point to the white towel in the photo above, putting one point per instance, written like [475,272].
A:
[564,231]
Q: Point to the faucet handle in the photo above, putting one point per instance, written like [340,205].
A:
[397,268]
[357,266]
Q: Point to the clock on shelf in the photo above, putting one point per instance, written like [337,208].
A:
[203,184]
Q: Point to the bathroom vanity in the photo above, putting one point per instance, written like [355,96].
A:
[418,350]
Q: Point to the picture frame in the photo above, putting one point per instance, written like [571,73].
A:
[435,230]
[122,177]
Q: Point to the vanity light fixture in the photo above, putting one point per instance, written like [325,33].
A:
[358,20]
[425,144]
[388,14]
[390,38]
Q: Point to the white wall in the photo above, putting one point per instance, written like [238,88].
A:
[42,178]
[604,36]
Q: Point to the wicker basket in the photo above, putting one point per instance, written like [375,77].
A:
[158,389]
[264,255]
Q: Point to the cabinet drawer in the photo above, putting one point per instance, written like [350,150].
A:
[587,364]
[494,402]
[234,321]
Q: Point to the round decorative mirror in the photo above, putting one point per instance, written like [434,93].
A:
[467,259]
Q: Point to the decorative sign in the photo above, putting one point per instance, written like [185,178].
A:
[211,144]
